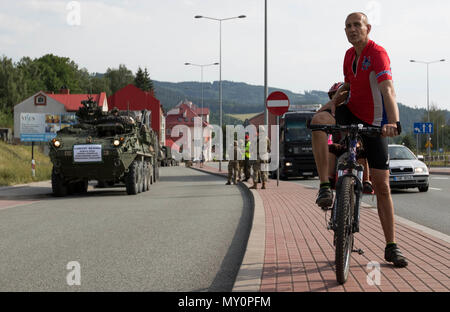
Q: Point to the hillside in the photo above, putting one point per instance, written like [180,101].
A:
[240,98]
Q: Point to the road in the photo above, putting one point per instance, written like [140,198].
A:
[188,233]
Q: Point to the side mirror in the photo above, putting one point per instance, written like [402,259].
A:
[420,157]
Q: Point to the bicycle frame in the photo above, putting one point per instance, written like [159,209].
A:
[348,166]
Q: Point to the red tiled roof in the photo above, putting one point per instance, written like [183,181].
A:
[72,102]
[185,112]
[170,143]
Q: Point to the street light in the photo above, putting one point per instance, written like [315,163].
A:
[220,63]
[201,66]
[428,94]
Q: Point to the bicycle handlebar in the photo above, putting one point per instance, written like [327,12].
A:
[356,128]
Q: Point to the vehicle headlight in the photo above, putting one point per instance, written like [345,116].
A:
[420,170]
[116,142]
[56,143]
[288,164]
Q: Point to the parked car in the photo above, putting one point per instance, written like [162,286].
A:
[406,170]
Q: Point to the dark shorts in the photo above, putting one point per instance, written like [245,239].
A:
[375,148]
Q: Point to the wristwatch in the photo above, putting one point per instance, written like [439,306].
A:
[399,127]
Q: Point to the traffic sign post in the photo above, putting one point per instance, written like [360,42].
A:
[423,127]
[277,103]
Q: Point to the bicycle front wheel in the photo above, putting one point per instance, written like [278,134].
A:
[344,236]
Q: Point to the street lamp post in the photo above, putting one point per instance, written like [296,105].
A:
[220,65]
[428,95]
[443,135]
[201,83]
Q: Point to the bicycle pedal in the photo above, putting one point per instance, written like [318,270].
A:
[326,208]
[359,251]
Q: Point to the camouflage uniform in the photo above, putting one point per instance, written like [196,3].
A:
[233,165]
[241,160]
[256,166]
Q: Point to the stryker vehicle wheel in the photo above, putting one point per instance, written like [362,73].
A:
[144,176]
[132,179]
[83,186]
[58,187]
[150,172]
[140,176]
[147,175]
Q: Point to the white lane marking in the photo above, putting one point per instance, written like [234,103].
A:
[440,178]
[435,189]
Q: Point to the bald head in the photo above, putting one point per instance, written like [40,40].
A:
[363,17]
[357,28]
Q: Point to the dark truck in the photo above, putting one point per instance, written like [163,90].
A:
[296,156]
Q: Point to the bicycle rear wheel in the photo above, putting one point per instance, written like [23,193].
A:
[344,236]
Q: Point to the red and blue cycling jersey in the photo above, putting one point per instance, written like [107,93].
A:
[365,100]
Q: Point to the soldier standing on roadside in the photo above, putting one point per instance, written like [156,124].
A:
[247,158]
[233,165]
[256,164]
[241,159]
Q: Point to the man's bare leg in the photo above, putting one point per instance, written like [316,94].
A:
[320,149]
[380,179]
[320,144]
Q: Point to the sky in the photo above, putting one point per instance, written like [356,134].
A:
[306,39]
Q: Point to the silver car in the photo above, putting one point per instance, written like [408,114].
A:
[406,171]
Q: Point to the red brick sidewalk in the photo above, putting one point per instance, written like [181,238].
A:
[299,252]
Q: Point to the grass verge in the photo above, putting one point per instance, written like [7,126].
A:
[15,165]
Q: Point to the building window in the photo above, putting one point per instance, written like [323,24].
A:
[180,119]
[168,131]
[40,100]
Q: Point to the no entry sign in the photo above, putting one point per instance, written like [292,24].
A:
[277,103]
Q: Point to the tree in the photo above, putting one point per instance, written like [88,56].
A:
[10,85]
[438,118]
[143,81]
[148,81]
[139,80]
[100,84]
[409,141]
[119,78]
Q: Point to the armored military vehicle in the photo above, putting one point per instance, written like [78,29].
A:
[107,147]
[167,159]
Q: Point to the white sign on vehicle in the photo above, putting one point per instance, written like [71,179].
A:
[87,153]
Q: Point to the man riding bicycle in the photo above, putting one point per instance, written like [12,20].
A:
[335,148]
[370,101]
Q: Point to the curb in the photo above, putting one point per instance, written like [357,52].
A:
[250,272]
[440,172]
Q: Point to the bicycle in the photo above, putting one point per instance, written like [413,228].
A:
[345,210]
